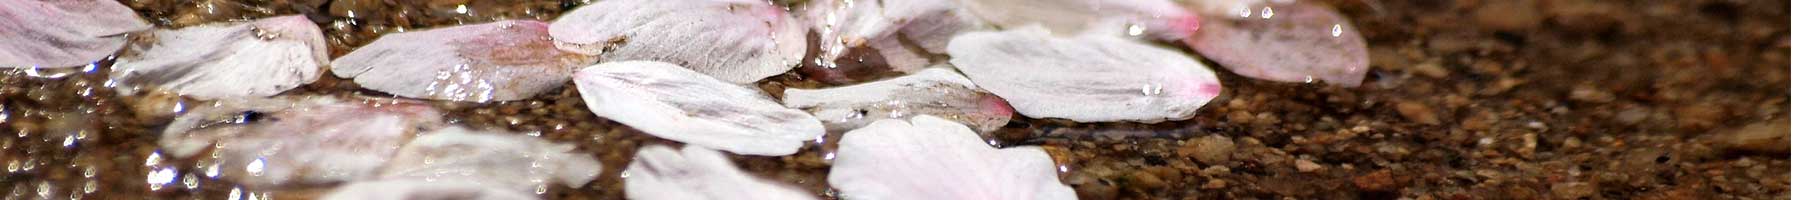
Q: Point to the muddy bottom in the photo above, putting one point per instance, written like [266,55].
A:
[1504,99]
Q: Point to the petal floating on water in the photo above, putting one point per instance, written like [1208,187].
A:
[63,33]
[1088,78]
[504,160]
[1303,43]
[934,91]
[675,103]
[305,140]
[659,172]
[249,59]
[734,41]
[932,158]
[498,61]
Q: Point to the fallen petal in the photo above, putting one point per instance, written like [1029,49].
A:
[932,158]
[928,24]
[736,41]
[423,189]
[934,91]
[1160,18]
[498,61]
[659,172]
[675,103]
[1295,42]
[504,160]
[248,59]
[304,140]
[63,33]
[1089,78]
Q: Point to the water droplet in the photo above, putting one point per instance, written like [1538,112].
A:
[212,171]
[255,167]
[90,186]
[159,177]
[830,156]
[542,188]
[1245,12]
[1337,30]
[1134,30]
[462,9]
[1268,12]
[155,157]
[88,172]
[190,181]
[1151,89]
[236,194]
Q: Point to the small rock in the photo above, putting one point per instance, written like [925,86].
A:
[1378,181]
[1573,190]
[1097,191]
[1588,93]
[1769,137]
[1417,112]
[1700,116]
[1508,16]
[1147,180]
[1431,69]
[1212,149]
[1306,166]
[1214,184]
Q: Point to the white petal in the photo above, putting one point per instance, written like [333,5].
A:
[423,190]
[1163,18]
[58,34]
[1090,78]
[934,91]
[504,160]
[678,104]
[498,61]
[1302,43]
[927,24]
[305,140]
[659,172]
[932,158]
[250,59]
[735,41]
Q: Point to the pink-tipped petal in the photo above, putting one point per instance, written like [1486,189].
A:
[1089,78]
[63,33]
[662,173]
[735,41]
[671,102]
[928,157]
[1296,42]
[498,61]
[1162,19]
[227,60]
[297,140]
[934,91]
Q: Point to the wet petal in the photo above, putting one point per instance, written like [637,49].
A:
[934,91]
[268,142]
[1296,42]
[1162,19]
[249,59]
[927,24]
[675,103]
[498,61]
[736,41]
[424,189]
[1089,78]
[63,33]
[505,160]
[932,158]
[659,172]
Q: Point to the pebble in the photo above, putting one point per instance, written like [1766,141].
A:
[1147,180]
[1306,166]
[1431,69]
[1588,93]
[1699,116]
[1508,15]
[1417,112]
[1096,191]
[1378,181]
[1573,190]
[1214,184]
[1211,149]
[1768,137]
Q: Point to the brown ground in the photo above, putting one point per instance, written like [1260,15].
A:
[1502,99]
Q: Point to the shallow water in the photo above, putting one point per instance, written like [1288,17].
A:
[1467,100]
